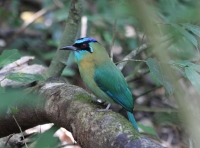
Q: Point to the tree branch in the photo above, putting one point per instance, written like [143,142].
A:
[69,35]
[73,108]
[131,55]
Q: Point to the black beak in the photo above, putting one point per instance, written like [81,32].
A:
[68,48]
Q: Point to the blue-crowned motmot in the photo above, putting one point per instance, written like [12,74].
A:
[101,75]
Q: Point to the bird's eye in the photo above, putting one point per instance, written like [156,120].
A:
[83,45]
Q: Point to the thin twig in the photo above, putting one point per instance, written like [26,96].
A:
[137,75]
[131,55]
[139,50]
[131,60]
[142,38]
[148,91]
[20,131]
[8,139]
[138,67]
[2,79]
[113,39]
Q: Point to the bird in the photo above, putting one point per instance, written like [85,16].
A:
[101,75]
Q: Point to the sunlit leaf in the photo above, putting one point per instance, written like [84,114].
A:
[194,78]
[24,77]
[9,56]
[186,34]
[161,73]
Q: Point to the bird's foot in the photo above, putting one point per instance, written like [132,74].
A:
[106,109]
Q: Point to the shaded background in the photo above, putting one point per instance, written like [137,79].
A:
[123,26]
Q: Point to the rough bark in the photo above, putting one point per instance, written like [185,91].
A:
[73,108]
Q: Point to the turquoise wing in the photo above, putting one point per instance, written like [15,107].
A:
[111,81]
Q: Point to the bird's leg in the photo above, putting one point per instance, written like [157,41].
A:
[106,109]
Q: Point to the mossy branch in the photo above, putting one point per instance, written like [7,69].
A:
[73,108]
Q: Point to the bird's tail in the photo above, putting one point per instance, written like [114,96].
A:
[132,120]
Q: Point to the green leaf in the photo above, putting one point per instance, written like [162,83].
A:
[194,78]
[193,28]
[181,64]
[2,90]
[186,34]
[162,73]
[52,43]
[48,136]
[25,77]
[165,118]
[68,72]
[178,69]
[13,97]
[12,111]
[195,67]
[9,56]
[154,79]
[148,129]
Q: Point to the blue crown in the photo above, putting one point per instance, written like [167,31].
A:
[81,40]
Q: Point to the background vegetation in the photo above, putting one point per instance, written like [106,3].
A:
[159,38]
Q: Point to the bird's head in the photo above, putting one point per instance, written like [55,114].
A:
[86,48]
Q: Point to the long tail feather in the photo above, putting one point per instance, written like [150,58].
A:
[132,120]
